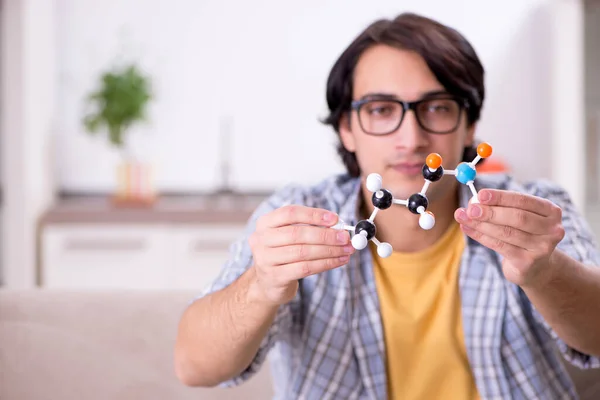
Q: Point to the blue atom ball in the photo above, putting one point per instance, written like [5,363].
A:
[465,173]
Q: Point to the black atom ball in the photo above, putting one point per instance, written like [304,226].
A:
[417,200]
[383,202]
[432,176]
[367,226]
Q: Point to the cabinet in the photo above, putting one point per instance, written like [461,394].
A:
[99,247]
[199,252]
[117,256]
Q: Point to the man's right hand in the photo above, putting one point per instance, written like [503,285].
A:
[291,243]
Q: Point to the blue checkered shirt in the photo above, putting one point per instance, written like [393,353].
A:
[328,343]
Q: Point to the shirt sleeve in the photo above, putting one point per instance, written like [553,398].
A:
[580,244]
[240,259]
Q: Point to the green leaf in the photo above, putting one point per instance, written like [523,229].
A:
[120,101]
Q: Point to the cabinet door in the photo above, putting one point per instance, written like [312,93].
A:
[106,256]
[199,252]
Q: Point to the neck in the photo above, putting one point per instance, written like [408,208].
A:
[400,228]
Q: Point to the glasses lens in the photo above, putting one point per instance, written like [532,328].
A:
[439,115]
[380,117]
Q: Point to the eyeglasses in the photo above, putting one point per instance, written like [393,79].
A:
[439,115]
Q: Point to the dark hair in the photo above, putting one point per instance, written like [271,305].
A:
[449,56]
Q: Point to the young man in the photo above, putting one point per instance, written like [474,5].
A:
[469,309]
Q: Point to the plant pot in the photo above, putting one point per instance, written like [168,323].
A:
[135,185]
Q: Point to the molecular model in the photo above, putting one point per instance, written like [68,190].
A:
[465,172]
[383,199]
[417,203]
[365,229]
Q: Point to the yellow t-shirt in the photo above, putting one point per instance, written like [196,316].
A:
[421,312]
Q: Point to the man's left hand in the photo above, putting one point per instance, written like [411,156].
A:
[524,229]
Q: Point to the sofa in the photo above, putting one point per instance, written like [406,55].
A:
[102,345]
[117,345]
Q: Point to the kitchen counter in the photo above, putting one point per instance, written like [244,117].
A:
[171,208]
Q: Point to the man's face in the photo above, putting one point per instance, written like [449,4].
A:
[399,156]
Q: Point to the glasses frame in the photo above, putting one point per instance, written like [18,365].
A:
[463,104]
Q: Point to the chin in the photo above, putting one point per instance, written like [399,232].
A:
[408,182]
[401,184]
[403,190]
[404,193]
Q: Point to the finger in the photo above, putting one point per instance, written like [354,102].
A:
[511,199]
[517,218]
[503,248]
[505,233]
[296,214]
[304,252]
[302,269]
[304,234]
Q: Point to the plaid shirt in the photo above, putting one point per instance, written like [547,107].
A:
[328,342]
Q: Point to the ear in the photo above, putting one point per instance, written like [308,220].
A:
[346,134]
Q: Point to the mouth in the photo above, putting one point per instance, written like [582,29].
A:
[408,168]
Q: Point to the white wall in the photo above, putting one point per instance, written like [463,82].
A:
[592,101]
[28,88]
[262,66]
[592,50]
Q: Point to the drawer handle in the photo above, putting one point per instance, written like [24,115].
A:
[104,245]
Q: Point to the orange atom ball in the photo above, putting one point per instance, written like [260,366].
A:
[484,150]
[434,160]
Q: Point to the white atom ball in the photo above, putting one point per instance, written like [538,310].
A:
[427,220]
[359,242]
[374,182]
[384,250]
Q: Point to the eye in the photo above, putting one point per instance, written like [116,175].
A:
[381,108]
[440,106]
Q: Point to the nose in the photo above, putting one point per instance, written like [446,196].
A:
[409,135]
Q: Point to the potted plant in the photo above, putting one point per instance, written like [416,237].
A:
[119,103]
